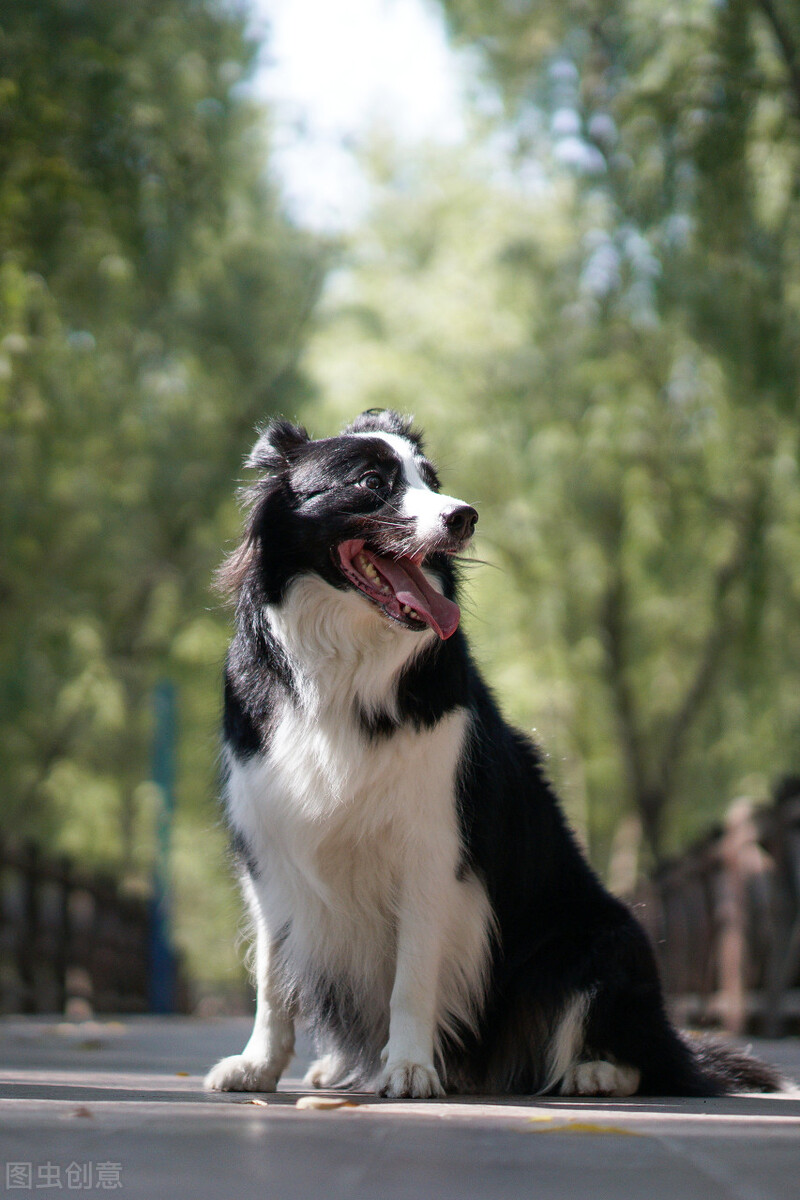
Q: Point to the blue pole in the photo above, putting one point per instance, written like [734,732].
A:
[162,958]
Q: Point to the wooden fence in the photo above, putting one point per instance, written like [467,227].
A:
[725,921]
[70,941]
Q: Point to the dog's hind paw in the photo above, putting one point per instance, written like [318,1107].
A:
[409,1080]
[240,1074]
[600,1079]
[327,1072]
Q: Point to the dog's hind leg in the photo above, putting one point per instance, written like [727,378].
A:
[630,1044]
[329,1071]
[578,1073]
[271,1046]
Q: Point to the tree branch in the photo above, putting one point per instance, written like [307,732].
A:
[787,47]
[712,653]
[612,622]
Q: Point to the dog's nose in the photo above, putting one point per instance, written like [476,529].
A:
[461,521]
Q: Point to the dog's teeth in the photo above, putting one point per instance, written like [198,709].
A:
[366,567]
[406,609]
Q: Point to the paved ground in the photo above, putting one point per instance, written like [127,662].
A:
[117,1106]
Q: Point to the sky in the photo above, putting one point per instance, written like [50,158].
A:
[332,69]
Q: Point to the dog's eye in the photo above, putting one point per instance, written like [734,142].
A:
[371,480]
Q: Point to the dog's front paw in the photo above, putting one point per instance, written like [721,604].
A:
[416,1081]
[240,1074]
[600,1079]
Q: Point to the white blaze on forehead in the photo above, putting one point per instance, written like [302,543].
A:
[419,502]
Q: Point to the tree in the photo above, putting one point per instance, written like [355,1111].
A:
[153,304]
[642,513]
[682,122]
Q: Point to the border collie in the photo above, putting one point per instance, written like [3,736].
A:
[416,894]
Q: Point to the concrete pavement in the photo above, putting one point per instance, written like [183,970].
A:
[117,1106]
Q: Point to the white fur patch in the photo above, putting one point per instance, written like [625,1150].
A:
[419,502]
[345,827]
[344,651]
[567,1041]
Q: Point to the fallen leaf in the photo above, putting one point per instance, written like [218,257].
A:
[584,1127]
[182,1074]
[324,1102]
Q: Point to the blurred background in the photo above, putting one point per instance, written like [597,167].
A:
[565,236]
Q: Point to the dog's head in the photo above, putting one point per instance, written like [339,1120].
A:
[363,511]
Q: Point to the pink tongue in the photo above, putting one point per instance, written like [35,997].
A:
[412,588]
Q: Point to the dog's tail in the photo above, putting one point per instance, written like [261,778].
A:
[727,1068]
[675,1063]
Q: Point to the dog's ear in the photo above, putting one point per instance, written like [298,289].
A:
[276,445]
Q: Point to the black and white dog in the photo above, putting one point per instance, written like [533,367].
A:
[416,894]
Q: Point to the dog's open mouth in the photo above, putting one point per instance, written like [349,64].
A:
[398,586]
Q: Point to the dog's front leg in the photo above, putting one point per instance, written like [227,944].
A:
[271,1046]
[407,1059]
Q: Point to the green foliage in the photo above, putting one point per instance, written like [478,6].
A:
[679,126]
[593,382]
[153,301]
[597,327]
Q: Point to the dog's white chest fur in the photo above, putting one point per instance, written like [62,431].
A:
[342,823]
